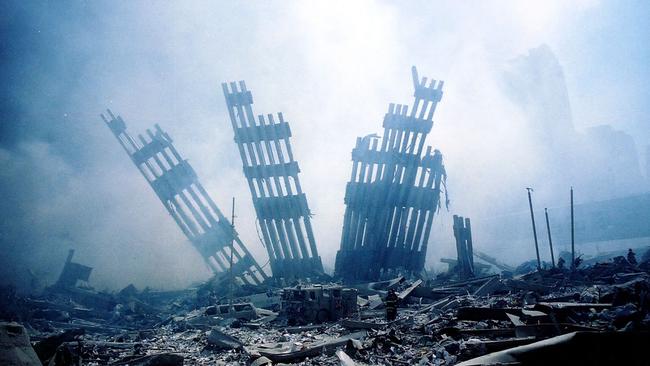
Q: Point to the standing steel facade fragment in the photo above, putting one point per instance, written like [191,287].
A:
[176,184]
[464,247]
[393,193]
[272,175]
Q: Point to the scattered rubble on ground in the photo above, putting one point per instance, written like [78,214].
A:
[482,320]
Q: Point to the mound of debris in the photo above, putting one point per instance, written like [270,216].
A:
[596,313]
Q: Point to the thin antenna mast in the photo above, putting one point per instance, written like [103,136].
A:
[232,240]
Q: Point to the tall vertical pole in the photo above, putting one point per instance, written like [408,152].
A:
[232,225]
[550,241]
[470,245]
[532,218]
[573,248]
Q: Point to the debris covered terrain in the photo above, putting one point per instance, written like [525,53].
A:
[501,318]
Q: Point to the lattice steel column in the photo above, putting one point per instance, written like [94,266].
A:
[272,175]
[393,193]
[178,188]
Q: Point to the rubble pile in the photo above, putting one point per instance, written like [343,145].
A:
[439,322]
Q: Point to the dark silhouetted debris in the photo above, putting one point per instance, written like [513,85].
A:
[577,348]
[73,272]
[47,347]
[15,349]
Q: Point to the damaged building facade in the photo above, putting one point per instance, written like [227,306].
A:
[391,199]
[393,193]
[272,175]
[178,188]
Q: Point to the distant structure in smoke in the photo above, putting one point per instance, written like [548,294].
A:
[535,83]
[602,161]
[611,161]
[647,165]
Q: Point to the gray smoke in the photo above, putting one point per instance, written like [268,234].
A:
[509,118]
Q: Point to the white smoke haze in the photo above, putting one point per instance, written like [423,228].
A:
[331,67]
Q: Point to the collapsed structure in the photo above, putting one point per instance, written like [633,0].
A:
[272,175]
[471,315]
[178,188]
[393,193]
[73,272]
[542,317]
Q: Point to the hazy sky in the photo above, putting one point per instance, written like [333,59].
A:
[331,68]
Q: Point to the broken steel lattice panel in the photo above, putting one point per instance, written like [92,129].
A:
[176,184]
[393,193]
[272,175]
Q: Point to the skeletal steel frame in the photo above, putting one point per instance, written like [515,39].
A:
[177,186]
[272,176]
[393,193]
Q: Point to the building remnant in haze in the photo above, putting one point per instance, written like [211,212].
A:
[393,193]
[272,175]
[463,235]
[177,185]
[73,272]
[647,164]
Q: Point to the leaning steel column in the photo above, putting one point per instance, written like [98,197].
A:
[272,176]
[177,186]
[393,192]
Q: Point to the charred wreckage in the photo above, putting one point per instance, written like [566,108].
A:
[379,307]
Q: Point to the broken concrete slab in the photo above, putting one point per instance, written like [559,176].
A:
[345,359]
[402,295]
[158,359]
[15,348]
[219,340]
[294,352]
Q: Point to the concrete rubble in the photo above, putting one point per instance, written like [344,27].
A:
[485,320]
